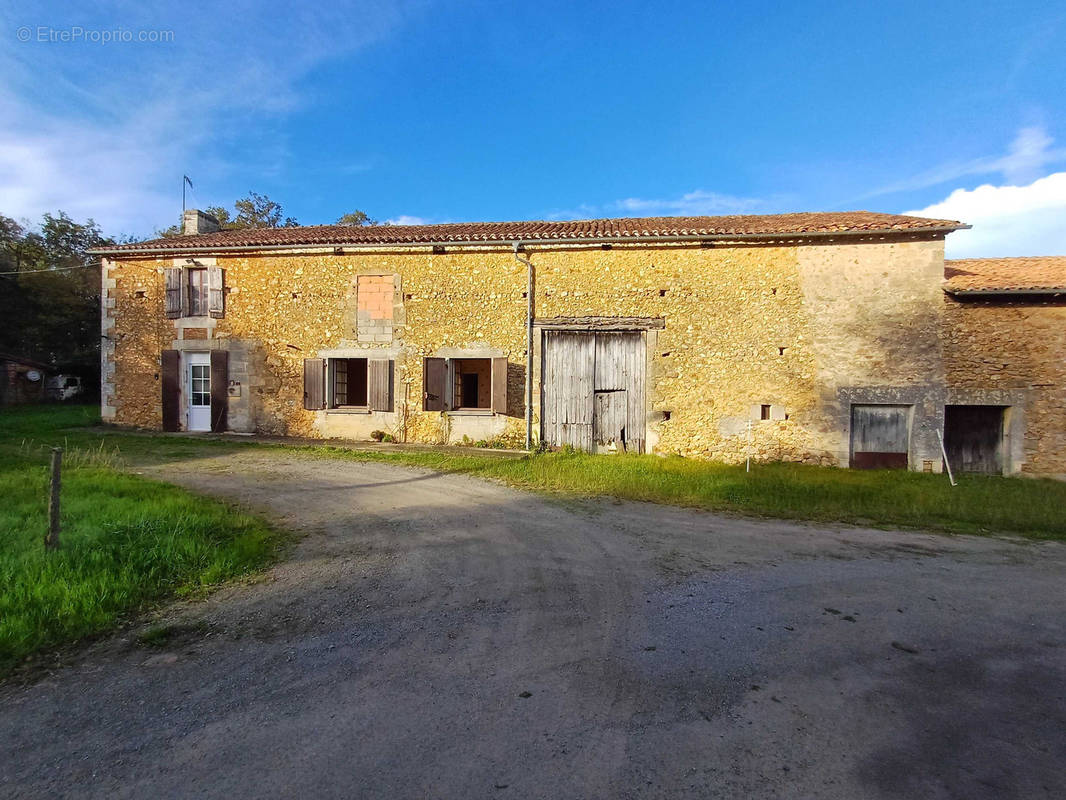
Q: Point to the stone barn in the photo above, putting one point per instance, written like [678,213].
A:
[826,338]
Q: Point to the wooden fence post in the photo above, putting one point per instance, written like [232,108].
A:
[51,541]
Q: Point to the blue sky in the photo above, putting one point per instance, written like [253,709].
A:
[437,110]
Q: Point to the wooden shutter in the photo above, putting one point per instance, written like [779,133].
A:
[219,390]
[314,383]
[434,380]
[379,385]
[499,385]
[170,379]
[174,281]
[216,295]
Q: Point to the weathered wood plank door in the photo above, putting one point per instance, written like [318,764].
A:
[593,389]
[880,436]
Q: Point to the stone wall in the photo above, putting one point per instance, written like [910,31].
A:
[790,326]
[1013,353]
[875,312]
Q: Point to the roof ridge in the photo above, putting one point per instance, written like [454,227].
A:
[802,223]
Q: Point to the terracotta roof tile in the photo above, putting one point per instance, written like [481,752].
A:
[845,222]
[1034,274]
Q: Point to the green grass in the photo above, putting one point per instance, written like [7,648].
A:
[126,542]
[880,498]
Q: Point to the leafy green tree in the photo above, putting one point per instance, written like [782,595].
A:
[356,219]
[259,211]
[51,305]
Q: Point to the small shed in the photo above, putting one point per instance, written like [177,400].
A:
[21,380]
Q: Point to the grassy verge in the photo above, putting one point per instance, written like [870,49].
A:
[125,543]
[880,498]
[883,498]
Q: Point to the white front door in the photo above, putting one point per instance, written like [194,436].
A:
[198,390]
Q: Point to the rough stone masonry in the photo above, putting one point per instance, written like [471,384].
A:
[760,334]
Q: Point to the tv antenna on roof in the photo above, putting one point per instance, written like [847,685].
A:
[185,180]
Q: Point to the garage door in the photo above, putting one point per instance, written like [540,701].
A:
[880,436]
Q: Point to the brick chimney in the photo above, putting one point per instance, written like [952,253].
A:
[197,221]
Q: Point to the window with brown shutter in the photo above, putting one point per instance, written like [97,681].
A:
[499,385]
[465,384]
[216,294]
[170,381]
[173,277]
[434,383]
[314,383]
[219,390]
[195,292]
[379,385]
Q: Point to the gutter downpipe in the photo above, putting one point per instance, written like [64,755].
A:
[529,342]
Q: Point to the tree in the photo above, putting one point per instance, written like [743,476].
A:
[222,215]
[254,211]
[259,211]
[356,219]
[51,308]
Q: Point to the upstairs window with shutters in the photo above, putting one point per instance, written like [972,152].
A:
[195,292]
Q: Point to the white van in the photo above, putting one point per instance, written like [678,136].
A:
[63,387]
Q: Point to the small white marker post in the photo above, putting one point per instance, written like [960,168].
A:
[944,452]
[747,465]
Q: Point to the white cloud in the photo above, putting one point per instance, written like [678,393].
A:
[692,204]
[1029,153]
[696,203]
[119,124]
[1007,220]
[407,219]
[1028,156]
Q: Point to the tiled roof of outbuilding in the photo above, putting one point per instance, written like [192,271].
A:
[1002,275]
[645,228]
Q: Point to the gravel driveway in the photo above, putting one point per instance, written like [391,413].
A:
[442,637]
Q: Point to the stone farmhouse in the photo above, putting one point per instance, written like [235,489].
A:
[830,338]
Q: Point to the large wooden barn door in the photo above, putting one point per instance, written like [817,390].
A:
[593,395]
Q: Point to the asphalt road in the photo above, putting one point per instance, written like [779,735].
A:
[441,637]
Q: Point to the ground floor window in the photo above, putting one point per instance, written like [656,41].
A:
[357,383]
[465,384]
[349,382]
[472,383]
